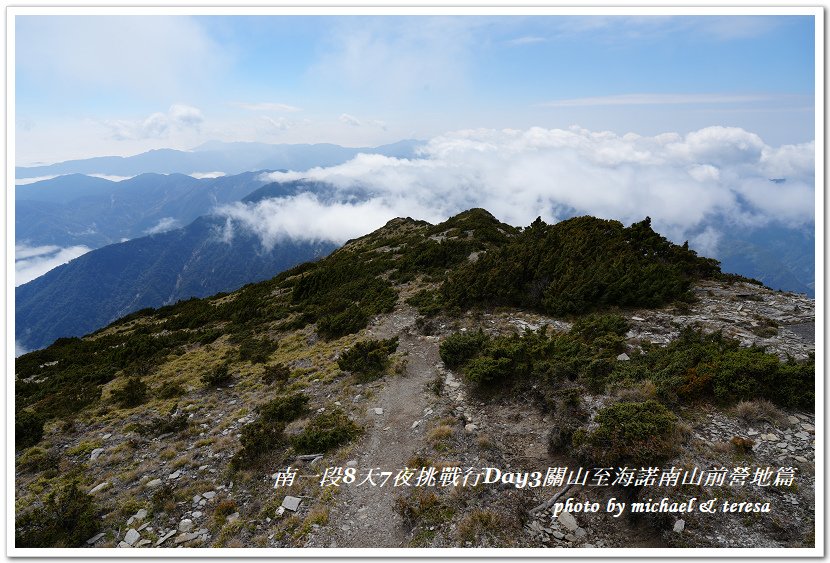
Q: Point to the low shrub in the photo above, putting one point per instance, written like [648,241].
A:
[459,348]
[67,518]
[634,433]
[277,373]
[284,409]
[218,377]
[28,429]
[325,432]
[169,390]
[368,359]
[132,394]
[258,438]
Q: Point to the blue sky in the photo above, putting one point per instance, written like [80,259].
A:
[96,85]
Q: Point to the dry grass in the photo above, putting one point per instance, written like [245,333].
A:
[759,410]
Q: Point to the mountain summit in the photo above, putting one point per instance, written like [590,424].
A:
[434,386]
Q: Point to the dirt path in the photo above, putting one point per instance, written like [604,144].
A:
[365,515]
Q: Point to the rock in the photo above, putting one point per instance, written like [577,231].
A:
[808,427]
[232,517]
[123,544]
[153,483]
[637,319]
[623,357]
[209,495]
[566,519]
[679,526]
[143,542]
[782,445]
[751,432]
[165,537]
[186,525]
[96,453]
[415,424]
[132,536]
[378,411]
[181,538]
[197,514]
[570,537]
[801,459]
[793,419]
[196,499]
[351,463]
[95,538]
[470,427]
[291,503]
[107,436]
[588,546]
[580,533]
[99,487]
[175,474]
[558,535]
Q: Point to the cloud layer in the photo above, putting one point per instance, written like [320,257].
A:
[31,262]
[689,185]
[158,125]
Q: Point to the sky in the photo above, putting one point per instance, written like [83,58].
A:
[120,85]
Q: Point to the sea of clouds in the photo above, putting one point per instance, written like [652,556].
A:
[693,186]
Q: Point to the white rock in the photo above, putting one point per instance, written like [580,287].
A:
[378,411]
[166,537]
[415,424]
[566,519]
[153,483]
[351,463]
[209,495]
[96,453]
[679,526]
[95,538]
[186,525]
[131,536]
[623,357]
[470,427]
[291,503]
[99,487]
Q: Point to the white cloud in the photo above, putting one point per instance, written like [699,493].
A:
[156,57]
[34,261]
[268,106]
[278,124]
[526,40]
[158,125]
[685,183]
[203,175]
[18,349]
[164,224]
[26,181]
[110,177]
[356,122]
[350,120]
[656,99]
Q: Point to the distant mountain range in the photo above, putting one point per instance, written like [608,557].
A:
[78,209]
[217,156]
[110,282]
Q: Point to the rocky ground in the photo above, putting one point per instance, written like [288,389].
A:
[176,490]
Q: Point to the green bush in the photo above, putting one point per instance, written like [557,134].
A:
[132,394]
[368,359]
[218,377]
[487,370]
[28,429]
[275,373]
[169,390]
[258,438]
[67,518]
[284,409]
[324,432]
[457,349]
[632,433]
[36,459]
